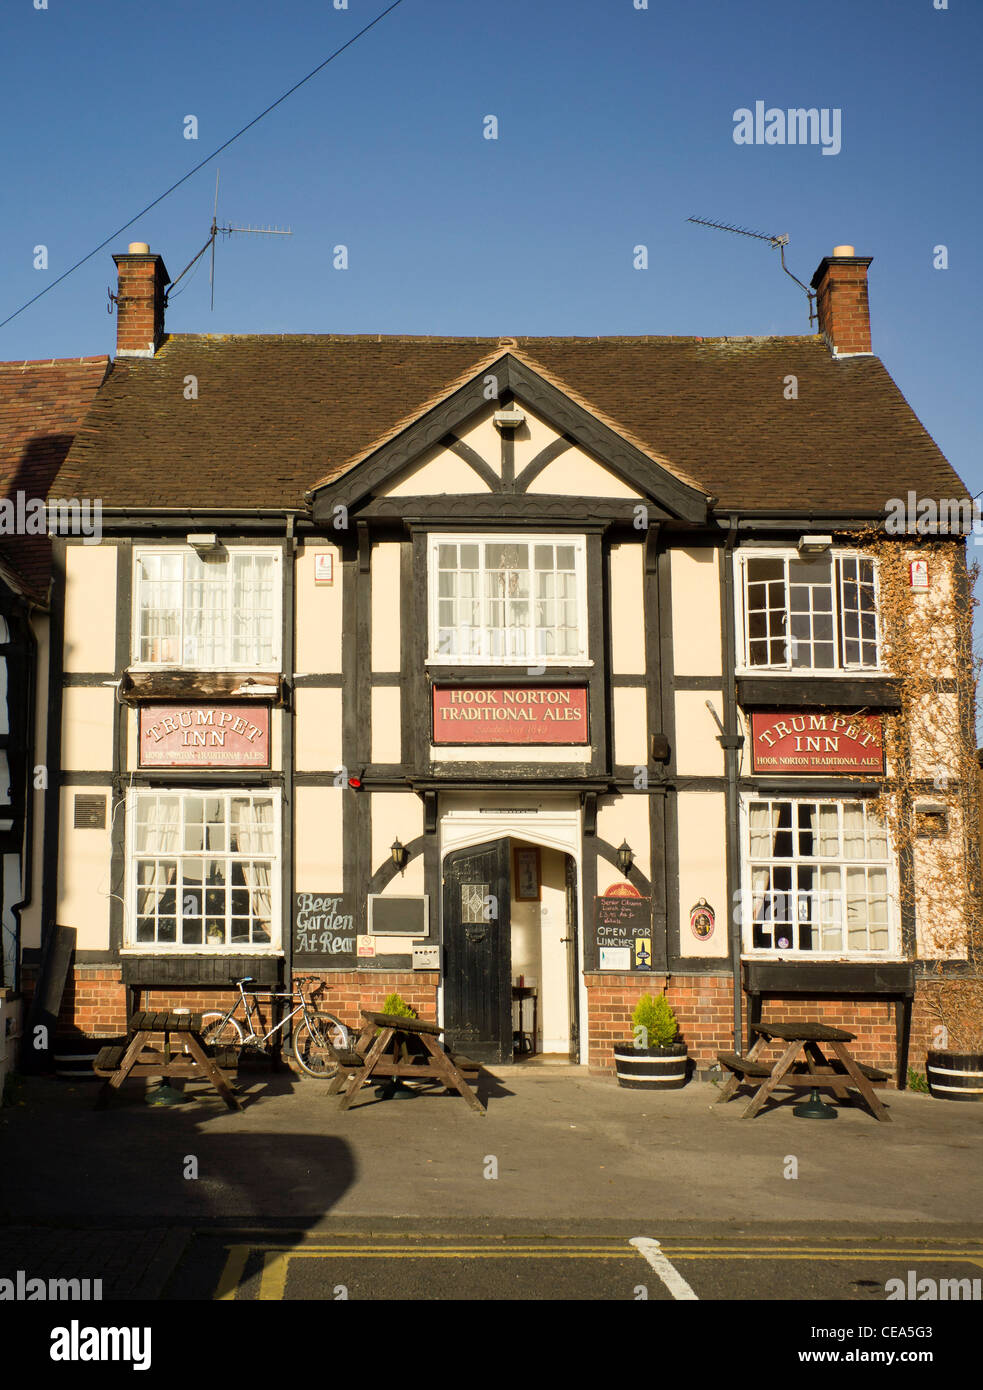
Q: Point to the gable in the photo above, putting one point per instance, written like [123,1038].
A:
[535,457]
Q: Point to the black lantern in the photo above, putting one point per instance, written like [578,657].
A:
[400,854]
[626,857]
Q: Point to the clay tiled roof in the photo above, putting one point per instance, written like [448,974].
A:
[42,405]
[276,415]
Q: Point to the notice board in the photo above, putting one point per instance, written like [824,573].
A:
[623,933]
[324,930]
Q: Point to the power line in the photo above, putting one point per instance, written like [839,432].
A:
[232,138]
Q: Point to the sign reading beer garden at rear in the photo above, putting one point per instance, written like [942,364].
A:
[827,742]
[510,714]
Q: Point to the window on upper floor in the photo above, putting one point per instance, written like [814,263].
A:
[506,600]
[815,614]
[213,610]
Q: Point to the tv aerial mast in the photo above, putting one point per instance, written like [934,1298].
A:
[217,231]
[780,241]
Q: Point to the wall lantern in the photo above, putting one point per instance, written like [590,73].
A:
[815,545]
[204,541]
[626,857]
[400,854]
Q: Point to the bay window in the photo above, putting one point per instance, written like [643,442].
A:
[818,877]
[507,599]
[204,870]
[216,610]
[816,613]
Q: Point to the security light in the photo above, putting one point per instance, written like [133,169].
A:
[815,545]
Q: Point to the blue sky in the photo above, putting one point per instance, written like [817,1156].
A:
[614,124]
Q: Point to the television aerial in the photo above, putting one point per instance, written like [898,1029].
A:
[217,231]
[780,241]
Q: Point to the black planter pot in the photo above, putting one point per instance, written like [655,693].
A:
[955,1075]
[651,1068]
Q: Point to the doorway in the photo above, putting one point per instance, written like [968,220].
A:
[510,920]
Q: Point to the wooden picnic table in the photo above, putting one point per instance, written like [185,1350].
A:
[381,1051]
[187,1056]
[802,1066]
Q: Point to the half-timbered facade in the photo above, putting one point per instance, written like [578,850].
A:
[469,666]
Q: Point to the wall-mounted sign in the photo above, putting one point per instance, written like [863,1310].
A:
[918,574]
[623,931]
[324,926]
[622,890]
[323,567]
[510,714]
[205,735]
[827,742]
[702,920]
[366,946]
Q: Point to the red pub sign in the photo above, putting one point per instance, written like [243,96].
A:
[510,714]
[796,741]
[203,735]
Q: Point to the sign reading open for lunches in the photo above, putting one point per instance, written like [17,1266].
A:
[796,741]
[204,735]
[510,714]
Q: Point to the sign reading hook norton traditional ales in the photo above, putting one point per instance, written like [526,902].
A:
[510,714]
[829,742]
[203,735]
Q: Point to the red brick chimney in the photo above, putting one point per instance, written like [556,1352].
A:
[841,301]
[140,301]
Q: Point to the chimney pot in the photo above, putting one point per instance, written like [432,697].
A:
[841,301]
[141,248]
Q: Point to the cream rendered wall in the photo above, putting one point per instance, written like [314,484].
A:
[87,729]
[442,471]
[318,613]
[385,607]
[386,729]
[531,438]
[318,854]
[630,726]
[696,632]
[84,871]
[398,815]
[703,868]
[627,610]
[623,818]
[90,608]
[575,473]
[481,434]
[698,754]
[317,746]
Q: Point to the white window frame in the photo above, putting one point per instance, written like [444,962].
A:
[840,669]
[136,664]
[745,924]
[131,946]
[438,538]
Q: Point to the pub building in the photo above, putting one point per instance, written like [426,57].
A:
[469,666]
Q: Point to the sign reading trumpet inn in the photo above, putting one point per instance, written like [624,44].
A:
[203,735]
[510,714]
[828,742]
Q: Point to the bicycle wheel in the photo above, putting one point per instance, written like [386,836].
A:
[314,1038]
[219,1031]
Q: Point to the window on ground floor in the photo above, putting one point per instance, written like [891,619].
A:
[818,876]
[204,870]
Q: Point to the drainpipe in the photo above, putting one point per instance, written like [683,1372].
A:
[27,855]
[732,741]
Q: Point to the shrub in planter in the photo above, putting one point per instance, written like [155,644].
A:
[396,1007]
[954,1070]
[653,1060]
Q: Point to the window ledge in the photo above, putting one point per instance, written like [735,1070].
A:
[874,691]
[185,683]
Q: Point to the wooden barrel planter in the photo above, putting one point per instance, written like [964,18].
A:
[651,1068]
[955,1075]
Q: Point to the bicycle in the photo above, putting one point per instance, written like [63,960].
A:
[317,1038]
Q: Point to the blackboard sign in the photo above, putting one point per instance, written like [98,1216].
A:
[396,915]
[623,932]
[324,929]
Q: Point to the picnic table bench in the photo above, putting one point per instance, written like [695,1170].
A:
[140,1055]
[802,1066]
[380,1051]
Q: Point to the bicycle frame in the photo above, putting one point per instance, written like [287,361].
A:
[250,1006]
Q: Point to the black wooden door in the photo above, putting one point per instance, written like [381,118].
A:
[478,952]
